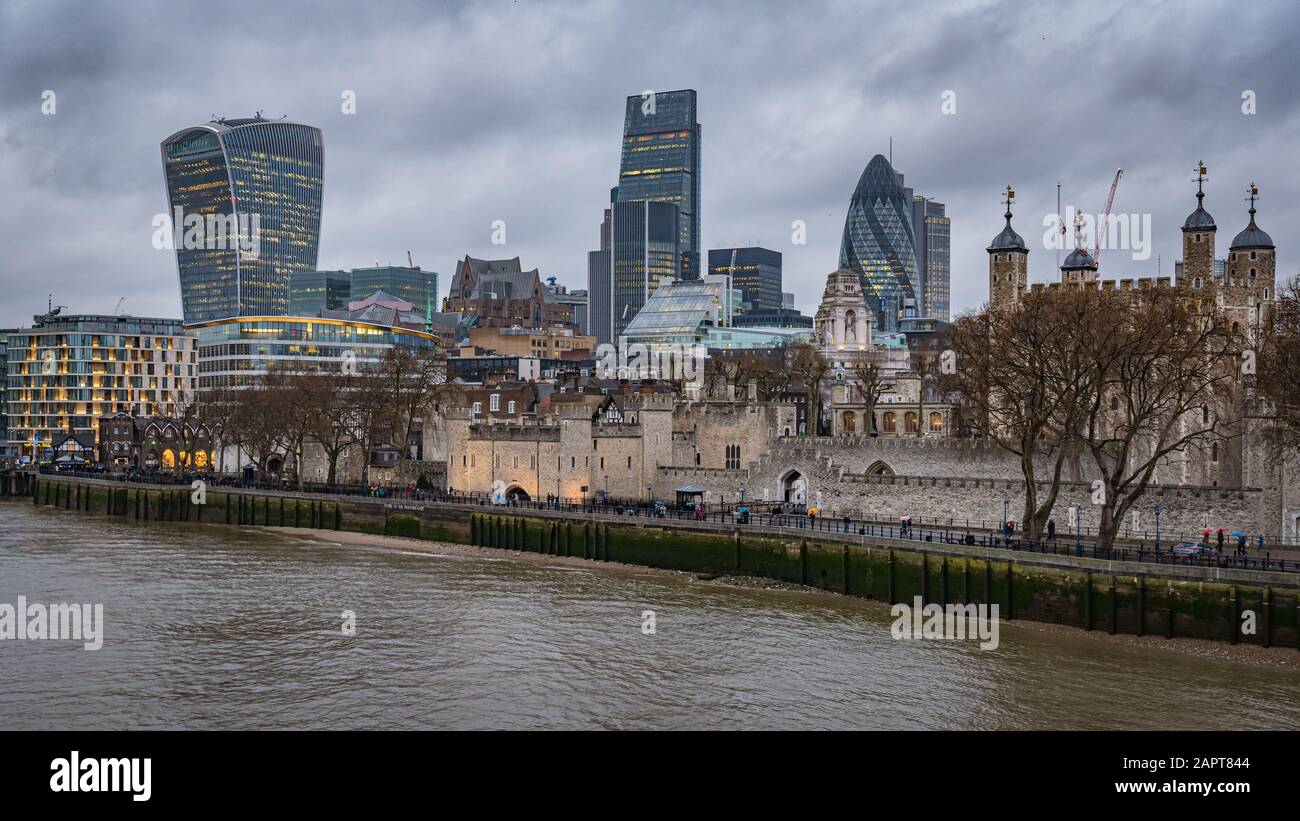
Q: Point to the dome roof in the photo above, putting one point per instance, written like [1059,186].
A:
[1008,240]
[1199,220]
[1078,259]
[878,180]
[1252,237]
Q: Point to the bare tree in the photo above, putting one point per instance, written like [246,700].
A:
[1277,377]
[1148,377]
[869,375]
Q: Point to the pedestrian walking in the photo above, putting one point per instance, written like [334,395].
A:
[1051,530]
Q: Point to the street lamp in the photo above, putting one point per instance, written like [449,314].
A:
[649,498]
[1078,532]
[1158,510]
[1006,510]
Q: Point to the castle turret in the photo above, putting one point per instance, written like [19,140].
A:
[1079,267]
[1250,277]
[1008,261]
[1198,240]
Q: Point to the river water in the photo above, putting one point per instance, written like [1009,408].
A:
[209,627]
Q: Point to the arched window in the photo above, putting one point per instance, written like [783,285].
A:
[1114,403]
[891,422]
[1252,254]
[936,422]
[913,422]
[1214,452]
[850,422]
[1252,273]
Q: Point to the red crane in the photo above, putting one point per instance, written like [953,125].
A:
[1105,219]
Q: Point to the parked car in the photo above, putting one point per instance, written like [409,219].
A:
[1193,549]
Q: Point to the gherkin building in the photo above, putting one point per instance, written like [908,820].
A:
[878,243]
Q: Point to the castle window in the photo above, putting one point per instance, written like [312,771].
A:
[1252,273]
[602,463]
[1196,283]
[913,422]
[1252,254]
[733,457]
[1205,413]
[1198,237]
[1214,452]
[995,278]
[936,422]
[891,422]
[573,462]
[629,462]
[1114,403]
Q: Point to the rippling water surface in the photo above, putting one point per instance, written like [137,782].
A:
[208,627]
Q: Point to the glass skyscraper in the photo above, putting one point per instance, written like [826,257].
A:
[933,232]
[245,199]
[880,246]
[755,271]
[640,252]
[661,163]
[311,292]
[413,285]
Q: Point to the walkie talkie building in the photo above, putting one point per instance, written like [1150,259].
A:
[245,201]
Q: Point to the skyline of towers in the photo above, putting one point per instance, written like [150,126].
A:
[245,199]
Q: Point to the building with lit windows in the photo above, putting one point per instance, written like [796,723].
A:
[933,232]
[247,193]
[234,353]
[661,163]
[65,372]
[642,253]
[755,271]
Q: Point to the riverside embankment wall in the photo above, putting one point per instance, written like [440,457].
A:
[1093,594]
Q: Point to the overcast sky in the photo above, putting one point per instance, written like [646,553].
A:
[470,113]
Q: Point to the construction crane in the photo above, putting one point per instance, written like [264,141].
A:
[1105,219]
[121,302]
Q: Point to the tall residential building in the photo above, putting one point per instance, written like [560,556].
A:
[755,271]
[7,452]
[311,292]
[933,232]
[661,163]
[879,244]
[65,372]
[245,201]
[420,288]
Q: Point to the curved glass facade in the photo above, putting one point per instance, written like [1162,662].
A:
[255,186]
[879,244]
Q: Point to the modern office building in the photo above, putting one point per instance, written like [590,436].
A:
[418,287]
[244,197]
[680,312]
[65,372]
[933,232]
[779,318]
[661,163]
[641,252]
[755,271]
[311,292]
[879,244]
[755,338]
[234,353]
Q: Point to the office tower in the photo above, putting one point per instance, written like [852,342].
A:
[644,253]
[418,287]
[933,231]
[600,315]
[245,201]
[311,292]
[661,163]
[755,271]
[878,244]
